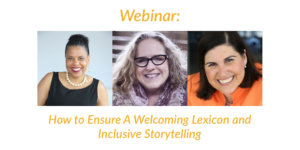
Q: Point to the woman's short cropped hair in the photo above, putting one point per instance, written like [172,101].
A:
[124,69]
[215,38]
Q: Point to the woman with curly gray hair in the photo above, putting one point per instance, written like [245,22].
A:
[150,72]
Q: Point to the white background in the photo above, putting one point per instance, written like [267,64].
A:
[24,125]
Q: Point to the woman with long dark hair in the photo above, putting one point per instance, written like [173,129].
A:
[228,74]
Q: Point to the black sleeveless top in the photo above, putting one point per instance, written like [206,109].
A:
[61,96]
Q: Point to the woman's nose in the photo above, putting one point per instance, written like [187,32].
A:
[222,70]
[150,65]
[76,61]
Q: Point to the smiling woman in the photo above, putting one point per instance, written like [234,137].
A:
[72,87]
[150,72]
[228,74]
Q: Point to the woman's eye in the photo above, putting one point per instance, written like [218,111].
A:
[211,64]
[141,60]
[228,60]
[158,58]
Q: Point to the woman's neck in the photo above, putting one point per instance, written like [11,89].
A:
[153,100]
[153,95]
[76,80]
[228,99]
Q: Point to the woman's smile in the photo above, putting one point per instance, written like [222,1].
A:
[75,69]
[151,76]
[226,81]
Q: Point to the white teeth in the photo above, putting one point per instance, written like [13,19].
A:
[226,80]
[76,69]
[150,75]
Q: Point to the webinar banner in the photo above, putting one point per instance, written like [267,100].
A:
[149,74]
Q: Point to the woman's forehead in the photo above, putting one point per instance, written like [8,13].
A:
[220,52]
[149,47]
[76,50]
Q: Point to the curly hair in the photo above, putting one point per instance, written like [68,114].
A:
[124,76]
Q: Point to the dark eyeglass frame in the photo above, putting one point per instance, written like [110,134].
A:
[148,59]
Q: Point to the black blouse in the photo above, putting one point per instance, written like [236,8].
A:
[61,96]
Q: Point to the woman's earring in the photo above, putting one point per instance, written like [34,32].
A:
[245,66]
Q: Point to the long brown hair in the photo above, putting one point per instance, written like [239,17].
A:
[213,39]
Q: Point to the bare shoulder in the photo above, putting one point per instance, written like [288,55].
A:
[101,88]
[100,84]
[43,88]
[102,95]
[47,78]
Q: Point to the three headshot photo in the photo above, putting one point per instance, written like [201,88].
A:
[149,68]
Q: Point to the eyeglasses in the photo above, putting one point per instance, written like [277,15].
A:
[156,60]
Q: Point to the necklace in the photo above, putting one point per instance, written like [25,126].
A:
[76,84]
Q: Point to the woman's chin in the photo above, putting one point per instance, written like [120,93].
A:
[228,91]
[154,88]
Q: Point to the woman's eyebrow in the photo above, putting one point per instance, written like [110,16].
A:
[151,56]
[209,63]
[230,56]
[142,57]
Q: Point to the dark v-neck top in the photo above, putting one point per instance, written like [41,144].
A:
[62,96]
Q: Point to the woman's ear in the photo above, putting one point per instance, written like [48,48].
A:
[89,59]
[245,57]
